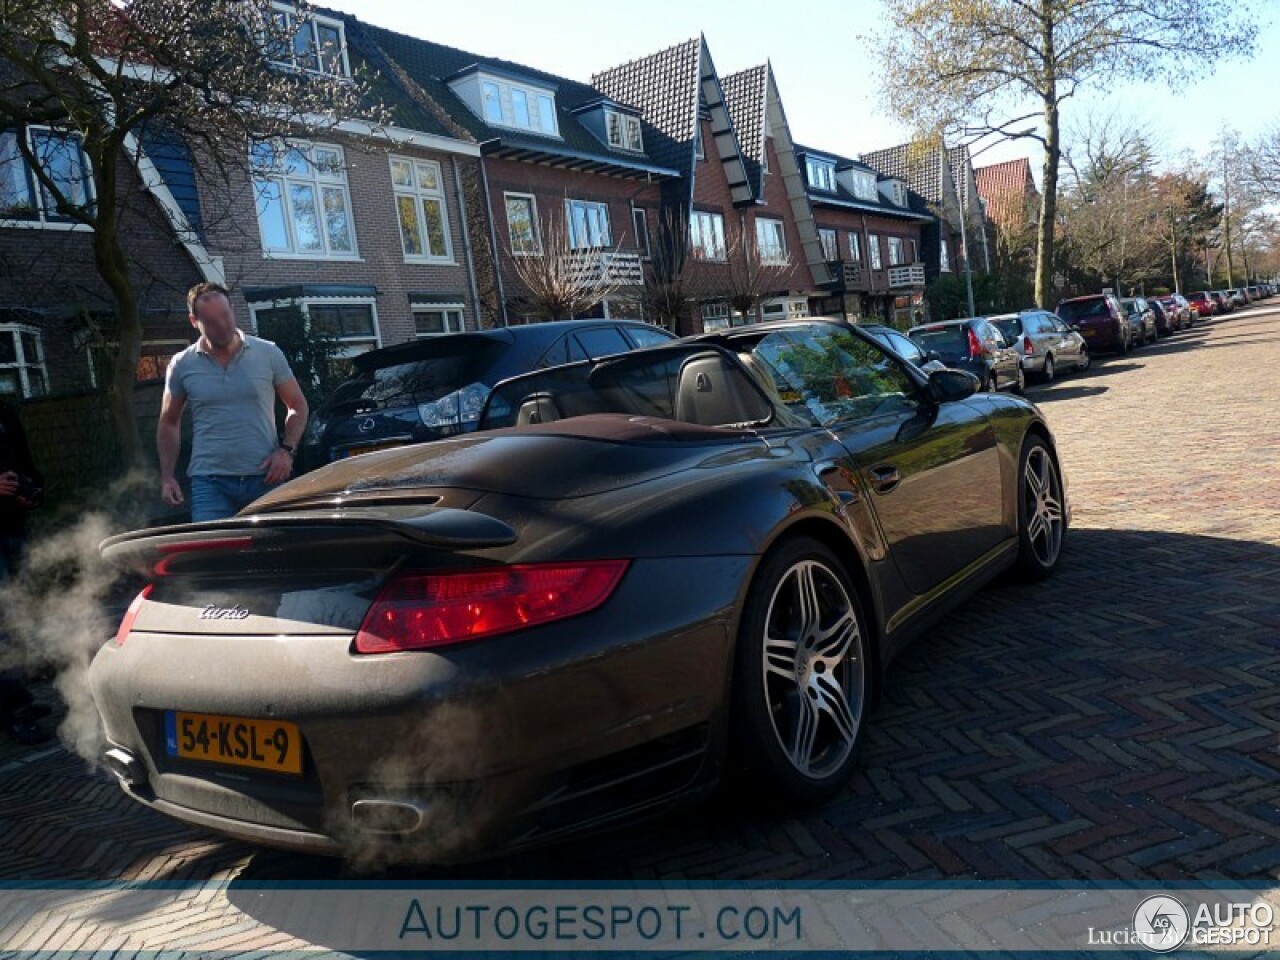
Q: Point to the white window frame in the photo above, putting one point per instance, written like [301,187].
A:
[829,251]
[626,125]
[534,97]
[855,246]
[864,186]
[536,251]
[451,311]
[348,346]
[318,182]
[714,252]
[42,218]
[640,224]
[944,257]
[314,21]
[820,173]
[716,315]
[875,255]
[418,193]
[771,240]
[897,252]
[588,208]
[23,364]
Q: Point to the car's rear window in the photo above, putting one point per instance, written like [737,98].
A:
[950,341]
[450,365]
[1083,309]
[1010,327]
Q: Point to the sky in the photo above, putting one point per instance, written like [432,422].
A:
[831,94]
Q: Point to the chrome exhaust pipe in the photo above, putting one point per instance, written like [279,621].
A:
[388,817]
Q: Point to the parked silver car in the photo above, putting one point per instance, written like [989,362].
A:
[1046,344]
[1142,320]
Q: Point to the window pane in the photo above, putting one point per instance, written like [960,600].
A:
[828,239]
[433,217]
[602,342]
[328,163]
[296,163]
[337,223]
[855,248]
[492,102]
[8,347]
[410,229]
[35,382]
[10,385]
[402,173]
[325,319]
[634,141]
[357,320]
[306,219]
[30,348]
[520,108]
[524,237]
[547,114]
[428,323]
[428,176]
[304,43]
[641,224]
[15,192]
[271,215]
[613,123]
[278,50]
[60,157]
[330,49]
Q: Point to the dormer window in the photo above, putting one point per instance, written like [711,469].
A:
[821,174]
[318,44]
[895,191]
[624,131]
[864,185]
[504,102]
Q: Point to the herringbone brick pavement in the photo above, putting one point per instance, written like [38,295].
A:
[1121,722]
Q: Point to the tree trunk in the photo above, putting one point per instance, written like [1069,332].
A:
[1048,208]
[113,267]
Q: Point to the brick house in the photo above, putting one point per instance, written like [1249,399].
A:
[872,230]
[942,180]
[732,193]
[562,164]
[1011,198]
[363,232]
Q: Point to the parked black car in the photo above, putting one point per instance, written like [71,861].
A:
[902,345]
[975,346]
[655,568]
[436,387]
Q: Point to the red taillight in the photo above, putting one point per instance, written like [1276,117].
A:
[1028,347]
[975,345]
[416,611]
[130,615]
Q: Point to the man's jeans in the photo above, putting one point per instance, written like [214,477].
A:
[219,497]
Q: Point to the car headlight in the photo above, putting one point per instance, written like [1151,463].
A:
[455,409]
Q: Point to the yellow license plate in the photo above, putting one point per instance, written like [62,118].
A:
[1089,333]
[357,451]
[274,745]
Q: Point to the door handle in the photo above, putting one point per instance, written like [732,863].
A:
[884,478]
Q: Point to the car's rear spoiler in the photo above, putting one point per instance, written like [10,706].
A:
[443,528]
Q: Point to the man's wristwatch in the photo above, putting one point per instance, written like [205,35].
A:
[288,448]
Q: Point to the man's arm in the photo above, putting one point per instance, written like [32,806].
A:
[168,443]
[279,465]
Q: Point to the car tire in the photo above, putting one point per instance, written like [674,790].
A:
[1047,376]
[802,678]
[1085,359]
[992,384]
[1020,387]
[1124,346]
[1042,522]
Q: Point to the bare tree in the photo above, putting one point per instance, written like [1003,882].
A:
[670,275]
[750,274]
[993,66]
[212,75]
[563,281]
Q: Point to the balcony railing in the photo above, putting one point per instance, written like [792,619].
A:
[848,274]
[606,266]
[911,275]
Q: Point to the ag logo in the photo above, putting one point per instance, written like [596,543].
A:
[1161,923]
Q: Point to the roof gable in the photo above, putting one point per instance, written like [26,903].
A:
[746,94]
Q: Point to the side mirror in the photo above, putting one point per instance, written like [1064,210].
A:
[946,386]
[933,355]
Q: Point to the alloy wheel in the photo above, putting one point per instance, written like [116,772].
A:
[1048,369]
[814,669]
[1042,506]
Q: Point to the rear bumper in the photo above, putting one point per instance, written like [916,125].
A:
[500,743]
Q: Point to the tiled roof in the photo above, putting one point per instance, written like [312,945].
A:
[841,197]
[427,65]
[1008,189]
[746,94]
[918,164]
[664,85]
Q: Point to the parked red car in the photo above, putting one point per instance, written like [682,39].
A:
[1203,304]
[1100,319]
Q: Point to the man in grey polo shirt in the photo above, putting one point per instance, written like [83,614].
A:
[231,381]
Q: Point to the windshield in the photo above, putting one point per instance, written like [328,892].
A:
[449,366]
[1083,309]
[947,342]
[1010,327]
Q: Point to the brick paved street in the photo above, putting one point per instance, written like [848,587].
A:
[1120,722]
